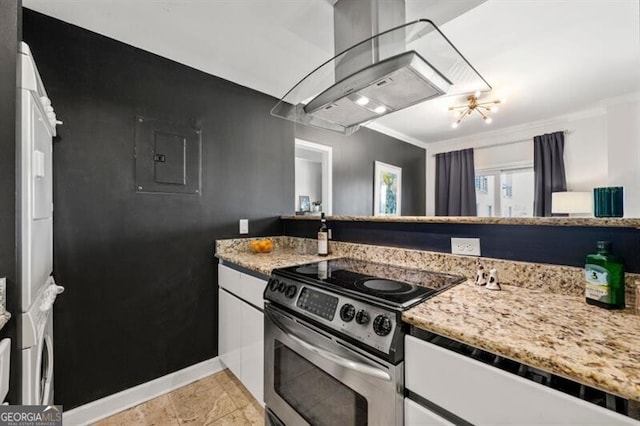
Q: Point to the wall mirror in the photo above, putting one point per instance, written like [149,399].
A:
[313,178]
[551,85]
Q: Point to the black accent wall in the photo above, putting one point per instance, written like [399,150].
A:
[558,245]
[353,164]
[10,36]
[140,277]
[141,297]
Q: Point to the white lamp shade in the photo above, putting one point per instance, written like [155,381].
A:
[571,202]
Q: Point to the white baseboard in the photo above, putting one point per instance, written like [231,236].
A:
[112,404]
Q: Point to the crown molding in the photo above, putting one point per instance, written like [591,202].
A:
[517,131]
[396,134]
[623,99]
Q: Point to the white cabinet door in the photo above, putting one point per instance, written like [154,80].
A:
[252,351]
[484,395]
[229,331]
[241,328]
[416,415]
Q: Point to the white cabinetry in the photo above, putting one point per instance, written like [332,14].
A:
[484,395]
[229,336]
[415,414]
[240,327]
[252,368]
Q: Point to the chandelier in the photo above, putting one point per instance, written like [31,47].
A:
[482,108]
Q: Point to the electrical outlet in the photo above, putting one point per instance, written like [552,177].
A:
[244,226]
[467,246]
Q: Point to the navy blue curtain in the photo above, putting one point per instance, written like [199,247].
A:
[455,184]
[548,168]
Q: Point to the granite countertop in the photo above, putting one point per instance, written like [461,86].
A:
[4,318]
[554,330]
[557,333]
[542,221]
[263,263]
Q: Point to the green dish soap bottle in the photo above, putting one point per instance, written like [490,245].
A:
[604,275]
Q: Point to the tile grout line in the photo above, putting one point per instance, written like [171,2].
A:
[231,381]
[173,406]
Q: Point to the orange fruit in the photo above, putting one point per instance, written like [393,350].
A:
[264,245]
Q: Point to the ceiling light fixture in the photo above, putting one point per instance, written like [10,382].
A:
[482,108]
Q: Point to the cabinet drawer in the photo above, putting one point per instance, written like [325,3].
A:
[229,279]
[416,415]
[484,395]
[248,288]
[253,290]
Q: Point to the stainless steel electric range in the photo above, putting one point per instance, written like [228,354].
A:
[334,344]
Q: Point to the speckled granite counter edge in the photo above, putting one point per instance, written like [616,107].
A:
[287,251]
[543,221]
[4,318]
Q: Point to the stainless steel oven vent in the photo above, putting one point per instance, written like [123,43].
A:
[389,85]
[387,72]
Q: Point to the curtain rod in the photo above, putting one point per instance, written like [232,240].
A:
[493,145]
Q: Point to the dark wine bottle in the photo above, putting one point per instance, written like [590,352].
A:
[323,237]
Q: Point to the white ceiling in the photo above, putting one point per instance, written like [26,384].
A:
[549,58]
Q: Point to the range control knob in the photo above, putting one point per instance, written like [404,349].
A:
[282,287]
[273,284]
[291,291]
[347,312]
[382,325]
[362,317]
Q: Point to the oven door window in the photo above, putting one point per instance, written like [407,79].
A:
[318,397]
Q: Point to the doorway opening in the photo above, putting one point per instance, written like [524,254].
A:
[313,174]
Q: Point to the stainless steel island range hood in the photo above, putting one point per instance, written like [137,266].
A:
[379,74]
[389,85]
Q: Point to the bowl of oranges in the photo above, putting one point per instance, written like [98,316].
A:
[264,245]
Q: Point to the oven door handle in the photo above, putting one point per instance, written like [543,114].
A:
[342,361]
[356,366]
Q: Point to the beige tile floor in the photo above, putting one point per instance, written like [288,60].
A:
[217,400]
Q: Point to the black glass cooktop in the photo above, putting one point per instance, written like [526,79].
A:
[391,285]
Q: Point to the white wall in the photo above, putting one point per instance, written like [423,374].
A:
[623,136]
[602,148]
[509,156]
[308,180]
[314,174]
